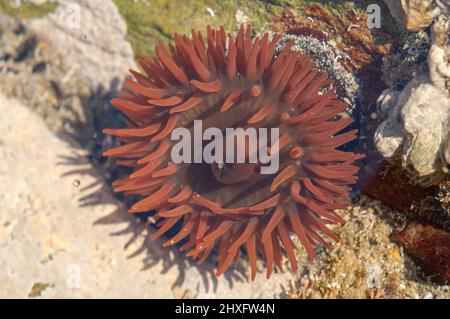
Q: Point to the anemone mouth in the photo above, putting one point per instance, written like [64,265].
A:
[231,83]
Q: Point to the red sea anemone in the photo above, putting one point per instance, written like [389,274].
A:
[237,82]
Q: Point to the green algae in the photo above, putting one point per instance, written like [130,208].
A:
[151,21]
[37,289]
[26,10]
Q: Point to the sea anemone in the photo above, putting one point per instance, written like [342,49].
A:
[229,83]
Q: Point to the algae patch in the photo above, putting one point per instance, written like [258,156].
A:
[151,21]
[37,289]
[26,9]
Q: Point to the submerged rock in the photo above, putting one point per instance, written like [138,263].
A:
[406,60]
[429,247]
[395,7]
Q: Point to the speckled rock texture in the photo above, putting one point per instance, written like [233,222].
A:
[62,234]
[88,33]
[366,263]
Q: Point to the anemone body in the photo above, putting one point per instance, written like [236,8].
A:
[236,82]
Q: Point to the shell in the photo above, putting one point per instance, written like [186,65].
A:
[439,54]
[420,13]
[416,126]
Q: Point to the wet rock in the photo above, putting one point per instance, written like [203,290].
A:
[390,183]
[406,60]
[444,199]
[7,22]
[444,5]
[31,70]
[395,7]
[429,247]
[366,263]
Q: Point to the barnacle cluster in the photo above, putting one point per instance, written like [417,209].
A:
[416,126]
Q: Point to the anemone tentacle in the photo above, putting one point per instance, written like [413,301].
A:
[230,82]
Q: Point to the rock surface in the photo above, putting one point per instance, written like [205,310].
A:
[395,7]
[56,242]
[366,263]
[429,247]
[91,35]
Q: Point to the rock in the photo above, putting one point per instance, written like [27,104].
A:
[429,247]
[417,14]
[393,181]
[7,22]
[326,58]
[91,36]
[32,71]
[444,5]
[447,150]
[396,10]
[407,59]
[63,235]
[389,136]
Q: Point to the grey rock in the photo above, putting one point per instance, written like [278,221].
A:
[91,36]
[395,7]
